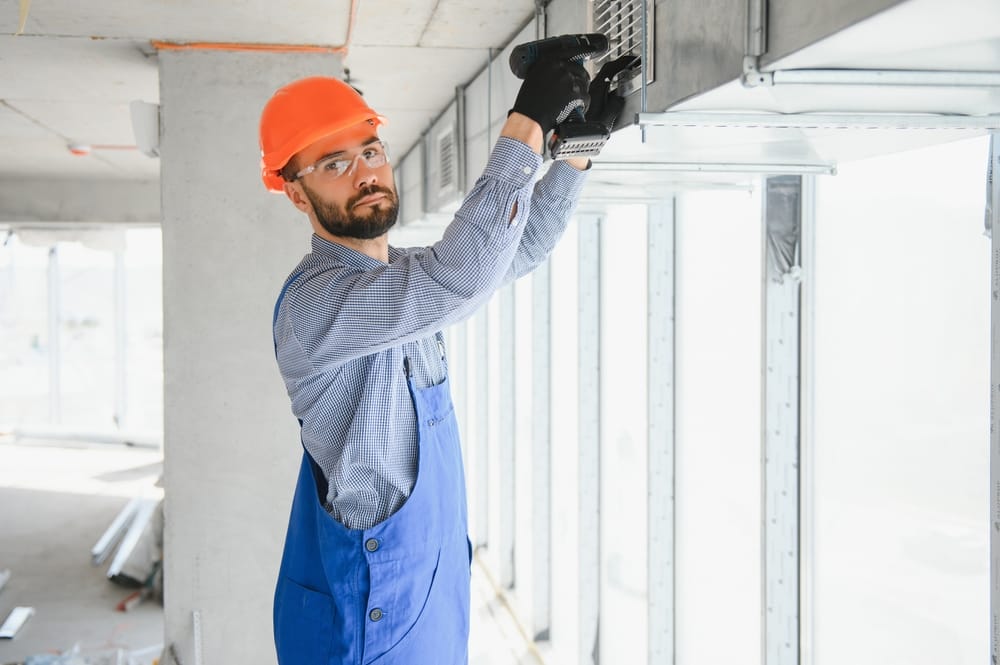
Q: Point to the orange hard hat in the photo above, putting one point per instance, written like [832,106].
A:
[301,113]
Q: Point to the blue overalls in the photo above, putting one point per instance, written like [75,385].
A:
[397,593]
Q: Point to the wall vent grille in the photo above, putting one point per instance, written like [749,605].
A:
[448,169]
[621,21]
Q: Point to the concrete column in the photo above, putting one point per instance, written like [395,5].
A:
[231,445]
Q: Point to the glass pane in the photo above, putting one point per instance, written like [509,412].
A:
[902,410]
[718,428]
[624,623]
[524,546]
[144,330]
[24,333]
[87,331]
[565,414]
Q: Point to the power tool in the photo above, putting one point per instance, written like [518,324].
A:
[576,136]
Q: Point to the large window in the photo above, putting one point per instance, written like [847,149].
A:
[901,470]
[81,330]
[894,458]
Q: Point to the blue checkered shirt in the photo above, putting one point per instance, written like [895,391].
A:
[347,322]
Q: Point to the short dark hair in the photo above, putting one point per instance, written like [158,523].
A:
[289,170]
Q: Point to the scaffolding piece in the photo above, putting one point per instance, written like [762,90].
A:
[993,232]
[781,389]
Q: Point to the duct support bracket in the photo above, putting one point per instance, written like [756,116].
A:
[752,76]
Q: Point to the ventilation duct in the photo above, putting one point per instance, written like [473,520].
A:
[782,86]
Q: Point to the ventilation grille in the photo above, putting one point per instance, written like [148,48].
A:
[447,169]
[621,21]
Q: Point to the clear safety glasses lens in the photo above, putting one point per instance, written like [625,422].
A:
[374,155]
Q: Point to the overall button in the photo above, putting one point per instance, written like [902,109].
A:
[375,614]
[371,544]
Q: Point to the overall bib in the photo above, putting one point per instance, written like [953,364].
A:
[395,594]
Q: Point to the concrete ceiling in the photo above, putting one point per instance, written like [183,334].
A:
[69,77]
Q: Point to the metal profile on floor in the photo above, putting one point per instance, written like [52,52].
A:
[15,622]
[782,224]
[102,548]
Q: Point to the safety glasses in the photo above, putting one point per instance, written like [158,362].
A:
[373,154]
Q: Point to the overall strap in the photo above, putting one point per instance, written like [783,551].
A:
[277,306]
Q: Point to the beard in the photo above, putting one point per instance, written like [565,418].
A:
[371,222]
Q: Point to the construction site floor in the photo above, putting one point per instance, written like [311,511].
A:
[58,497]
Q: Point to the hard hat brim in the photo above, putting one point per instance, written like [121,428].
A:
[272,163]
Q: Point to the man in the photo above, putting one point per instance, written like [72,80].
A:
[376,561]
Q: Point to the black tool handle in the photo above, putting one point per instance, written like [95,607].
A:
[564,47]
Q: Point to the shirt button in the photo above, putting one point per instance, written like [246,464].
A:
[371,544]
[375,614]
[527,170]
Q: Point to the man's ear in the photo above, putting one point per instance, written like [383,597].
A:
[293,191]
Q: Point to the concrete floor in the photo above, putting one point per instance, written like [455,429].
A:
[57,498]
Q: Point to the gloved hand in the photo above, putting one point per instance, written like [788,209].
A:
[605,106]
[552,89]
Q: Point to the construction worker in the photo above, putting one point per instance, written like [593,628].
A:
[376,561]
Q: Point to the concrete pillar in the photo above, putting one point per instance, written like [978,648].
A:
[231,445]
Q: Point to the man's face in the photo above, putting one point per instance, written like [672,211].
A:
[359,203]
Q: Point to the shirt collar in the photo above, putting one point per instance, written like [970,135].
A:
[346,255]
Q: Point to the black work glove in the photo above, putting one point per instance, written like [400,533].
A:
[605,106]
[552,89]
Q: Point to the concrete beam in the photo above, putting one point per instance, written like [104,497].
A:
[73,201]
